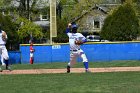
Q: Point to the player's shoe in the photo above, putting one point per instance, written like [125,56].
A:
[3,64]
[1,70]
[87,71]
[68,69]
[8,68]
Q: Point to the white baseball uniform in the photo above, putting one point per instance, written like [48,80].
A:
[75,50]
[3,50]
[2,61]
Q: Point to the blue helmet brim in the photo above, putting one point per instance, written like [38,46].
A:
[74,26]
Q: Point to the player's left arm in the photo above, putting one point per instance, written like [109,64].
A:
[81,40]
[84,40]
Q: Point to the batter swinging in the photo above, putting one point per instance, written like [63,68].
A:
[75,40]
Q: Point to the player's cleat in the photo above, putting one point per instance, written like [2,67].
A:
[87,71]
[3,64]
[0,69]
[68,69]
[8,68]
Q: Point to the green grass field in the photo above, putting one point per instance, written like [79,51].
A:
[114,82]
[79,64]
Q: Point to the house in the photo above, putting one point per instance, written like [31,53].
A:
[93,19]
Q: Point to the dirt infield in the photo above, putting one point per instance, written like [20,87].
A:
[73,70]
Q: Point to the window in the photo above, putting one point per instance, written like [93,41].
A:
[43,17]
[96,24]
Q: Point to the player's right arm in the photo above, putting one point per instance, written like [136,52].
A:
[68,28]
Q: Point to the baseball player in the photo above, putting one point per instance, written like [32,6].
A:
[3,50]
[75,40]
[31,53]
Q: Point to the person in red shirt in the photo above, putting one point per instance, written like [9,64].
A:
[31,53]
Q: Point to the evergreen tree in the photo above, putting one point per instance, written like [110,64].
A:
[122,25]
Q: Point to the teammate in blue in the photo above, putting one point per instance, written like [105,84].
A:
[75,49]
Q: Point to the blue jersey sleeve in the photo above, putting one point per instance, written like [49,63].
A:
[67,30]
[84,40]
[81,37]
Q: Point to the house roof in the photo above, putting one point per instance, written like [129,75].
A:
[95,6]
[101,7]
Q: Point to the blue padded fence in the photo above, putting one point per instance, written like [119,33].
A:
[14,57]
[45,53]
[94,51]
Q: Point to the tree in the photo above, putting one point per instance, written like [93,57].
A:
[5,2]
[137,8]
[122,25]
[28,8]
[10,28]
[17,25]
[28,29]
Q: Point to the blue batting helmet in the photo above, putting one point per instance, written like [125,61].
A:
[74,27]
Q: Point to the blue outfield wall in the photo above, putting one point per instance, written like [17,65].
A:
[45,53]
[94,51]
[14,57]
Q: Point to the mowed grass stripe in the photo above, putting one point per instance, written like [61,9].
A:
[114,82]
[56,65]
